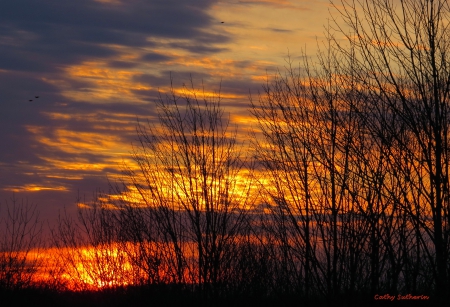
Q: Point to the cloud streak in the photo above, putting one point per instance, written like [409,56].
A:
[97,65]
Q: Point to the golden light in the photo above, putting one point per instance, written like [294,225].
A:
[106,84]
[35,188]
[90,268]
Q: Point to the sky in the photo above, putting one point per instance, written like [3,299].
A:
[96,67]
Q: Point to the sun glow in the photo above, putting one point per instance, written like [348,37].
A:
[88,268]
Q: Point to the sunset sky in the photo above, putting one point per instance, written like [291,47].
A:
[97,65]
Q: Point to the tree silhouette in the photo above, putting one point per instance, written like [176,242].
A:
[189,192]
[402,65]
[20,244]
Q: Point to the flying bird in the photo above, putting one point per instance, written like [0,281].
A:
[30,100]
[36,96]
[222,22]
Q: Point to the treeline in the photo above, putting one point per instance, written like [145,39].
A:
[341,195]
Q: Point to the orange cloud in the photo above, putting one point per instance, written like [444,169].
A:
[34,188]
[106,84]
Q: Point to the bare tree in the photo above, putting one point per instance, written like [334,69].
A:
[402,63]
[193,184]
[309,129]
[338,185]
[20,244]
[283,117]
[89,251]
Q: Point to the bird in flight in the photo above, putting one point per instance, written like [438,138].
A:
[30,100]
[36,96]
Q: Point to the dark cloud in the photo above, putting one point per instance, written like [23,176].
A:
[29,161]
[178,78]
[39,40]
[155,57]
[68,30]
[122,64]
[281,30]
[197,48]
